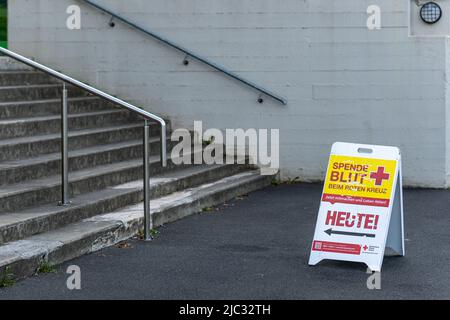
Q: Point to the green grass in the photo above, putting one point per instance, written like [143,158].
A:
[7,278]
[153,233]
[46,267]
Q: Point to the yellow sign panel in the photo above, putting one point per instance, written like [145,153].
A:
[360,177]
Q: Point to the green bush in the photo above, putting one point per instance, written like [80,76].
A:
[3,24]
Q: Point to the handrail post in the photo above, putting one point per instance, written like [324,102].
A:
[163,145]
[148,223]
[64,149]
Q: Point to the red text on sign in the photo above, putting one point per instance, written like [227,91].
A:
[337,176]
[350,220]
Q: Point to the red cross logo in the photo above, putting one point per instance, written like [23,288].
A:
[365,247]
[379,176]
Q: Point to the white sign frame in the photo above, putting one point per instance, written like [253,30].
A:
[391,232]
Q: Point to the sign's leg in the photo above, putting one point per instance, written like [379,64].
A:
[395,237]
[374,268]
[314,259]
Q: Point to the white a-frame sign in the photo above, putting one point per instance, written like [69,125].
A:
[361,210]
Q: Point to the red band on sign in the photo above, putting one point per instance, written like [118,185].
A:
[347,248]
[333,198]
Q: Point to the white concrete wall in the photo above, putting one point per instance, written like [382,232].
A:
[447,113]
[343,82]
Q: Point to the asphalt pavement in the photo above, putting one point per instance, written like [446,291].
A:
[257,247]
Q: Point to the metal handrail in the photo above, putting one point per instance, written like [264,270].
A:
[64,132]
[190,53]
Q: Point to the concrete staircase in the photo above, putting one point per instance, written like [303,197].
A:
[105,163]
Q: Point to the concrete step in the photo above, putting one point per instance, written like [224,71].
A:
[18,171]
[37,92]
[47,190]
[31,147]
[14,197]
[24,127]
[8,64]
[19,224]
[23,77]
[39,108]
[30,193]
[23,257]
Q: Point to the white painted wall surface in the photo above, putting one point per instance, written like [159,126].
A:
[447,113]
[342,81]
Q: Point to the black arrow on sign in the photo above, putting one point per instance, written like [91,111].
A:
[355,234]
